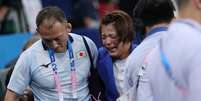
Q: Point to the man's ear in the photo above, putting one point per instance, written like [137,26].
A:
[37,30]
[68,27]
[197,4]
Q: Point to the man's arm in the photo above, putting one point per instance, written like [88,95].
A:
[19,79]
[11,96]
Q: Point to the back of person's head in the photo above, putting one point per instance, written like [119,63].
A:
[122,23]
[50,13]
[152,12]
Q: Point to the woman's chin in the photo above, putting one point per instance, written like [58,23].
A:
[113,54]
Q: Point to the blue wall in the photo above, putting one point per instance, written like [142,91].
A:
[10,46]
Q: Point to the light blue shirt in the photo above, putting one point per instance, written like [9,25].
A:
[134,66]
[181,46]
[29,71]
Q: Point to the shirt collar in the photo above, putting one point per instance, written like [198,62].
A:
[156,29]
[69,36]
[190,22]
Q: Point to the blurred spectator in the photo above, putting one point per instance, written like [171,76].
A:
[81,13]
[31,9]
[106,6]
[12,18]
[85,14]
[65,5]
[127,5]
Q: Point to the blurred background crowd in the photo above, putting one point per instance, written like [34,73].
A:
[17,20]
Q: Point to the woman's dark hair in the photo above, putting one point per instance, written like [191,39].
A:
[123,24]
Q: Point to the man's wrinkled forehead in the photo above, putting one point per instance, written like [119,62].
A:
[108,29]
[48,23]
[51,29]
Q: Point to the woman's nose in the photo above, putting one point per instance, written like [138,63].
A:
[108,41]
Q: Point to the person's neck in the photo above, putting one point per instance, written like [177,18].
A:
[190,13]
[126,51]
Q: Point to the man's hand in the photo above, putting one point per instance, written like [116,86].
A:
[11,96]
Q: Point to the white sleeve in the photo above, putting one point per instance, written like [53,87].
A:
[194,79]
[20,77]
[144,91]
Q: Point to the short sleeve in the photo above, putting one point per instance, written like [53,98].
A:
[21,75]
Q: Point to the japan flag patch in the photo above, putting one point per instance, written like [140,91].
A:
[81,54]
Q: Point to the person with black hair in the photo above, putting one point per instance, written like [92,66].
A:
[155,16]
[173,67]
[57,66]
